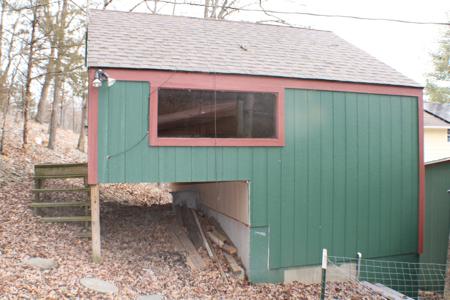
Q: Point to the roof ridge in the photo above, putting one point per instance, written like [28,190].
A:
[207,19]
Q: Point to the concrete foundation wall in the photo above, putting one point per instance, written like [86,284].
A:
[313,274]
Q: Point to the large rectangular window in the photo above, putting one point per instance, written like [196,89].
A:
[187,113]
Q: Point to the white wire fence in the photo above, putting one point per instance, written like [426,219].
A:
[386,279]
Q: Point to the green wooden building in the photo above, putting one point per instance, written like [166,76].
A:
[295,139]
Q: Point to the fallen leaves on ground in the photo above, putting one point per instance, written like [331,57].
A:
[137,253]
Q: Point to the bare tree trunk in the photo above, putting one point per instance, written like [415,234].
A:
[62,114]
[58,77]
[106,3]
[73,115]
[5,115]
[174,7]
[27,99]
[56,100]
[82,138]
[205,11]
[41,115]
[2,16]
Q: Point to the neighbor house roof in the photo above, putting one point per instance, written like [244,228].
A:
[144,41]
[430,121]
[440,110]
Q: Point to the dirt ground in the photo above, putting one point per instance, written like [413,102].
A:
[138,255]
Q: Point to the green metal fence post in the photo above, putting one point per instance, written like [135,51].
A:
[324,273]
[358,266]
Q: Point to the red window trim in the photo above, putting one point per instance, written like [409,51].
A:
[157,141]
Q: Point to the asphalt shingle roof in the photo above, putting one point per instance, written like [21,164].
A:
[144,41]
[440,110]
[429,120]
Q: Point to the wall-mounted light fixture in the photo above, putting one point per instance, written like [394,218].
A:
[101,76]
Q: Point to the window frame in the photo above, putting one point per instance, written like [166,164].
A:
[277,141]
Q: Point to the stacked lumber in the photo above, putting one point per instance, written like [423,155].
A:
[219,238]
[202,232]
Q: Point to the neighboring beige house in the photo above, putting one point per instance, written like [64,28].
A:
[436,131]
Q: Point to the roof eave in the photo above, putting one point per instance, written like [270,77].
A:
[418,86]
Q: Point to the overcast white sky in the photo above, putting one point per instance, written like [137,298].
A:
[406,47]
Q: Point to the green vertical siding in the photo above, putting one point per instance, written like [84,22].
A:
[437,213]
[347,178]
[437,223]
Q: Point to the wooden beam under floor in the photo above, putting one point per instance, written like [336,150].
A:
[95,223]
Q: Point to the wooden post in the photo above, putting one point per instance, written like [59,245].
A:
[95,223]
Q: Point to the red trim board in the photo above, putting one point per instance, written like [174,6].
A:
[173,79]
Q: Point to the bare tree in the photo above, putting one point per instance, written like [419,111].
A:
[5,113]
[47,29]
[152,9]
[219,9]
[106,3]
[31,52]
[2,22]
[41,115]
[59,43]
[82,138]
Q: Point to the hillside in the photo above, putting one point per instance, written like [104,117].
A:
[138,253]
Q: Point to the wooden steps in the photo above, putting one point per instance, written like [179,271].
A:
[41,204]
[66,219]
[59,204]
[82,189]
[59,176]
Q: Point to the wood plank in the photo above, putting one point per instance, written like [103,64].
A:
[39,166]
[61,176]
[183,243]
[393,292]
[66,219]
[60,190]
[229,249]
[215,239]
[60,169]
[188,221]
[222,237]
[95,223]
[384,292]
[205,241]
[59,204]
[234,266]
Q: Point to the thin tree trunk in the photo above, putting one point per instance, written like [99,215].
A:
[2,16]
[58,77]
[54,116]
[205,12]
[62,118]
[41,115]
[5,115]
[27,99]
[82,138]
